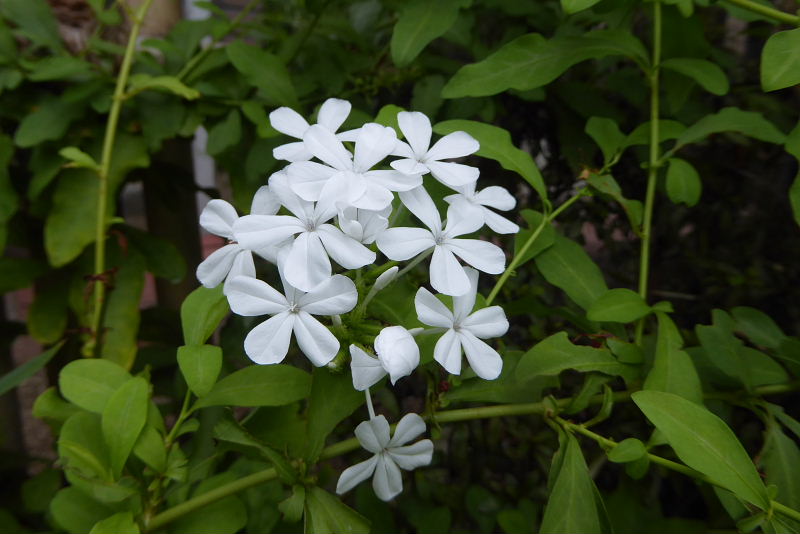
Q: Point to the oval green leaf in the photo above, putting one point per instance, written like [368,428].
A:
[780,60]
[618,305]
[260,385]
[201,313]
[89,384]
[200,365]
[707,74]
[123,419]
[683,182]
[627,450]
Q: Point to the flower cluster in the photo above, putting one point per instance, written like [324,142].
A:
[330,206]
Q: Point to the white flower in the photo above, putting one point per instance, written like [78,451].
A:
[389,455]
[419,159]
[398,355]
[269,342]
[347,179]
[364,225]
[286,120]
[492,197]
[464,330]
[307,262]
[447,274]
[218,218]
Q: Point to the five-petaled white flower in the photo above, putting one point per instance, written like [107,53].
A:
[419,159]
[364,225]
[447,274]
[287,121]
[398,355]
[492,197]
[269,342]
[307,262]
[233,259]
[390,455]
[464,330]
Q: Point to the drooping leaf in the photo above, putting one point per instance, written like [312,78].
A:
[496,144]
[76,512]
[332,399]
[91,383]
[22,372]
[673,370]
[567,266]
[78,158]
[201,312]
[749,123]
[142,82]
[707,74]
[606,133]
[259,385]
[607,185]
[48,122]
[200,366]
[123,419]
[780,60]
[705,443]
[119,523]
[618,305]
[683,182]
[265,71]
[325,514]
[758,327]
[419,23]
[531,61]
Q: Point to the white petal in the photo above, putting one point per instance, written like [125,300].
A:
[403,243]
[408,428]
[335,295]
[337,194]
[349,135]
[213,270]
[454,145]
[482,255]
[264,202]
[453,174]
[431,311]
[394,180]
[420,203]
[355,475]
[416,128]
[321,142]
[218,217]
[374,223]
[333,113]
[292,152]
[288,121]
[250,296]
[499,224]
[307,264]
[343,249]
[242,266]
[269,342]
[447,275]
[448,352]
[387,481]
[403,150]
[496,197]
[374,143]
[373,435]
[463,218]
[483,359]
[397,351]
[412,456]
[409,166]
[314,339]
[279,185]
[463,304]
[375,197]
[259,231]
[307,178]
[367,371]
[487,322]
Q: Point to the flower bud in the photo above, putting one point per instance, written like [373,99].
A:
[397,351]
[386,278]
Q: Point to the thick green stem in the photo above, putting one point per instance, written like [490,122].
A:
[94,343]
[767,11]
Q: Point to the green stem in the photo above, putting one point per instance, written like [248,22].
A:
[652,170]
[785,510]
[93,345]
[770,12]
[528,244]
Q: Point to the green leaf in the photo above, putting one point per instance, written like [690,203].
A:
[122,314]
[496,144]
[17,273]
[150,449]
[50,407]
[683,182]
[89,384]
[607,185]
[228,429]
[59,68]
[76,512]
[542,241]
[781,462]
[707,74]
[123,419]
[780,60]
[257,385]
[265,71]
[332,399]
[749,123]
[256,113]
[627,450]
[387,116]
[531,61]
[162,258]
[705,443]
[79,158]
[556,353]
[200,366]
[9,200]
[574,6]
[121,523]
[419,23]
[794,198]
[673,370]
[224,134]
[293,506]
[566,265]
[22,372]
[758,327]
[223,516]
[618,305]
[723,348]
[607,135]
[47,123]
[325,514]
[34,19]
[82,449]
[142,82]
[571,505]
[201,313]
[667,129]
